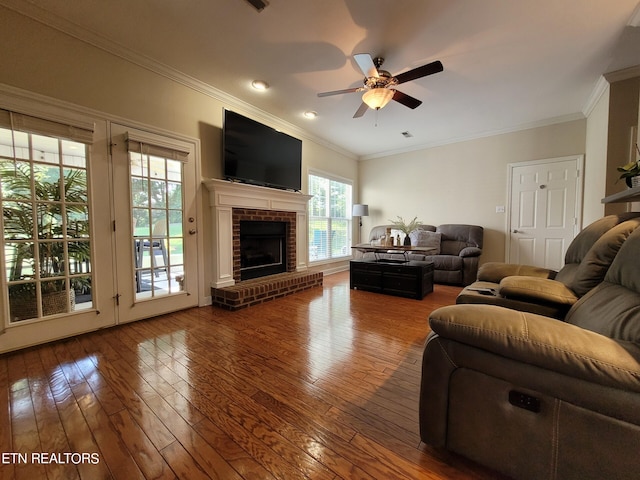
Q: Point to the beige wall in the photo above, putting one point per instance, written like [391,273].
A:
[624,98]
[461,182]
[42,60]
[596,159]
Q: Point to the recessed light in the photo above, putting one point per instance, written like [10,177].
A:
[260,85]
[310,114]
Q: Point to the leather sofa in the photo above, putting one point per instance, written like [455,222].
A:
[547,292]
[535,397]
[459,245]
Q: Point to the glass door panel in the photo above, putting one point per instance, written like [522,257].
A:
[160,272]
[46,235]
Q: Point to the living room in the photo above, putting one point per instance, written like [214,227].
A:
[58,69]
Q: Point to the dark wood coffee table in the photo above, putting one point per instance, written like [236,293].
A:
[412,279]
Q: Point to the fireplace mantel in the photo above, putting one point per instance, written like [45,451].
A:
[224,196]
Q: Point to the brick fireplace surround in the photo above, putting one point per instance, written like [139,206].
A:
[240,214]
[231,202]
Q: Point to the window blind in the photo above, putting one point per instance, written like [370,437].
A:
[82,133]
[147,146]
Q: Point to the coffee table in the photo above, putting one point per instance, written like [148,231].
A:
[411,279]
[381,249]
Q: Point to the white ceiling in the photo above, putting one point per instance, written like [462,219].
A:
[508,64]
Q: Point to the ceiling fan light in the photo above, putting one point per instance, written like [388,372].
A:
[377,98]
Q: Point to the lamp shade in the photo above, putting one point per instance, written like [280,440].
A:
[377,98]
[360,210]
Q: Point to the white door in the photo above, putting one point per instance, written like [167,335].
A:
[155,223]
[545,208]
[57,241]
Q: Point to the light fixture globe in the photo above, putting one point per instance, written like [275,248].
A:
[376,98]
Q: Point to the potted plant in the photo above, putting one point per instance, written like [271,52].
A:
[46,256]
[406,227]
[631,172]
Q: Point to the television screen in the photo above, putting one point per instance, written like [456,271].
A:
[258,154]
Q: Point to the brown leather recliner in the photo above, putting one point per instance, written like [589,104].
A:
[539,290]
[535,397]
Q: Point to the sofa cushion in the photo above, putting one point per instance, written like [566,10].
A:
[593,267]
[446,262]
[424,238]
[496,271]
[613,307]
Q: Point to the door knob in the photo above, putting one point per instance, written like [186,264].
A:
[192,231]
[516,231]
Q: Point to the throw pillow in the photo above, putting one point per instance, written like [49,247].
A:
[424,238]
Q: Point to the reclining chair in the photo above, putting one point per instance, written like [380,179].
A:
[535,397]
[546,292]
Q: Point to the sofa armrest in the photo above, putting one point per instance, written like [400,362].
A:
[470,252]
[535,289]
[543,342]
[496,271]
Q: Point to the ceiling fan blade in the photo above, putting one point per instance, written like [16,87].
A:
[338,92]
[365,62]
[361,110]
[406,100]
[419,72]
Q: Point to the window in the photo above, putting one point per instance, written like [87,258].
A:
[329,218]
[45,216]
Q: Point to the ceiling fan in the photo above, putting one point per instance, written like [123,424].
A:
[378,85]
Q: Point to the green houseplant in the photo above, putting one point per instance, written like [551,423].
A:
[630,170]
[40,242]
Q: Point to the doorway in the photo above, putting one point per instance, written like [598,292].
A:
[155,223]
[545,198]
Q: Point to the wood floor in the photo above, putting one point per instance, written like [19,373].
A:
[322,384]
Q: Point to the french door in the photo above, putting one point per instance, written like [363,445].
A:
[57,279]
[155,223]
[90,239]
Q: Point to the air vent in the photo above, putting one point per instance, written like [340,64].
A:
[258,4]
[407,134]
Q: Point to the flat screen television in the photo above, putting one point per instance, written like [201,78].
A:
[258,154]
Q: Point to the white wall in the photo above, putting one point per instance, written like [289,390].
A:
[461,182]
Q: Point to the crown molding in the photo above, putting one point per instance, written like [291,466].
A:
[599,89]
[623,74]
[490,133]
[84,35]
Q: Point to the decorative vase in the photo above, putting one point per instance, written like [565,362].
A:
[407,241]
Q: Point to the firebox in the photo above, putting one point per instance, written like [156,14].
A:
[263,248]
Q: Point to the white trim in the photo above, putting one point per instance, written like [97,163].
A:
[623,74]
[599,89]
[80,33]
[579,193]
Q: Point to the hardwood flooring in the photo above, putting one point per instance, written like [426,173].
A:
[322,384]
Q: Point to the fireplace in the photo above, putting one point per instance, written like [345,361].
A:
[264,242]
[262,248]
[232,202]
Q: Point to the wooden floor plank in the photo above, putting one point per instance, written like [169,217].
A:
[321,384]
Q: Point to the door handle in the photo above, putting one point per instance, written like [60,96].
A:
[193,231]
[517,231]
